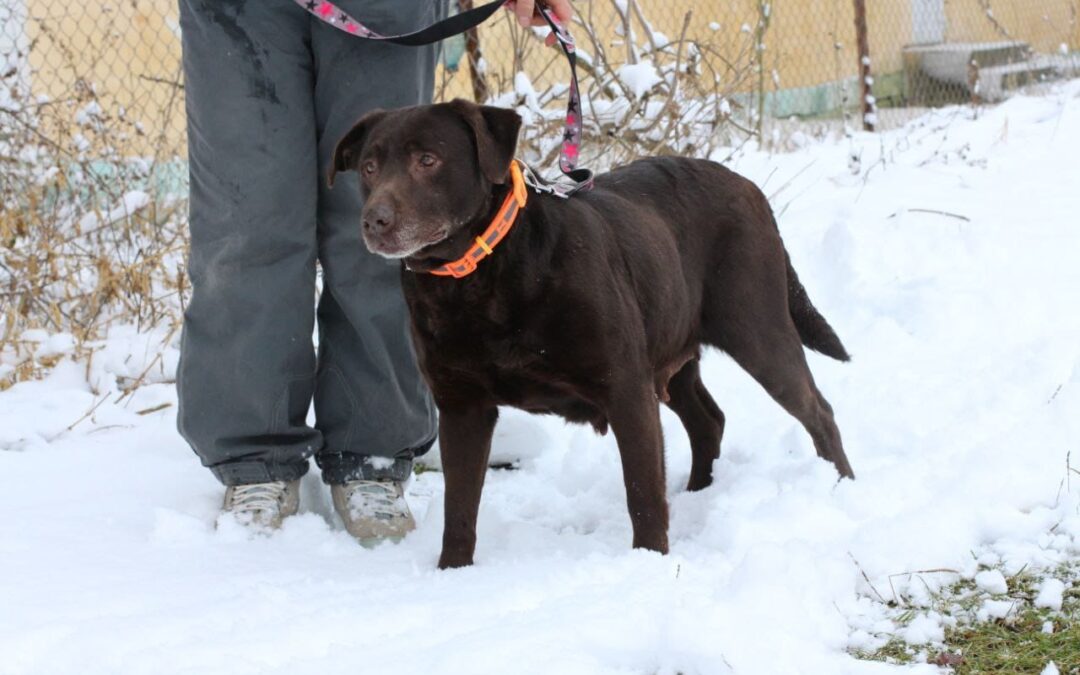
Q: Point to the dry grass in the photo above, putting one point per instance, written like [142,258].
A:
[89,233]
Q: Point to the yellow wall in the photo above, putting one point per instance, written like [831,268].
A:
[888,25]
[800,42]
[128,50]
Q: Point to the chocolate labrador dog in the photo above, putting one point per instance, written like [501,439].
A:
[593,307]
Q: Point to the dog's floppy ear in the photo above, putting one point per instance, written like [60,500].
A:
[496,131]
[348,149]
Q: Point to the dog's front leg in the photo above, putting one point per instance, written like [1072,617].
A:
[634,414]
[465,443]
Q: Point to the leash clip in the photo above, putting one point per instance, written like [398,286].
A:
[580,182]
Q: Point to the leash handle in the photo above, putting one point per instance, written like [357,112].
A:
[329,13]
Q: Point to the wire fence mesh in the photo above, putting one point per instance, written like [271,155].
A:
[770,60]
[92,129]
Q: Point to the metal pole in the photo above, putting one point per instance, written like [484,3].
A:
[869,110]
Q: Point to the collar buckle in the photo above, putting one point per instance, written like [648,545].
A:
[484,245]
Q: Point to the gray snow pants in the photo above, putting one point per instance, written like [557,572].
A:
[269,91]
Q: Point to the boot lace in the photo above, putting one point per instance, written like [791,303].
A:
[381,499]
[251,499]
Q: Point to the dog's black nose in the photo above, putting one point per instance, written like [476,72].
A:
[378,217]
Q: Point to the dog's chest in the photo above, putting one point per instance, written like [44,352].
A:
[506,346]
[518,354]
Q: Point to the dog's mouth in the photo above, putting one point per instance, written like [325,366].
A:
[391,247]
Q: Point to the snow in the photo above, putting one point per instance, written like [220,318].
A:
[992,581]
[640,77]
[1051,594]
[89,114]
[923,629]
[55,344]
[524,89]
[131,202]
[996,609]
[947,264]
[14,48]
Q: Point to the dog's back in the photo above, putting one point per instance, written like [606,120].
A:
[723,228]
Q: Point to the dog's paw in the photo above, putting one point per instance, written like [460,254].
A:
[454,559]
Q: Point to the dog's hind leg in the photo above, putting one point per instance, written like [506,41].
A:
[702,419]
[776,360]
[747,316]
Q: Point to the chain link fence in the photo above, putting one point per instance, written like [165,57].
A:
[771,60]
[92,144]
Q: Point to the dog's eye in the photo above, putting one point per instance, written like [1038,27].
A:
[427,159]
[368,167]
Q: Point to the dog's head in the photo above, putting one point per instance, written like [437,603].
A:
[426,172]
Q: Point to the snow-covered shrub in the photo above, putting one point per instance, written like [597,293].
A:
[90,226]
[645,93]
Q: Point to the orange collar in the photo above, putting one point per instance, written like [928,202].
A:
[500,226]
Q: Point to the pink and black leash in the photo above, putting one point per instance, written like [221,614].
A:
[582,178]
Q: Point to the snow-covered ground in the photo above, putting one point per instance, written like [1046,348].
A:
[947,257]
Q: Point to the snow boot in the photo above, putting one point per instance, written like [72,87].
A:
[262,505]
[373,510]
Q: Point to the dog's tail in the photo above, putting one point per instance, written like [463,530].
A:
[814,331]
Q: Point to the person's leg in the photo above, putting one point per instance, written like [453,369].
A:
[247,368]
[371,404]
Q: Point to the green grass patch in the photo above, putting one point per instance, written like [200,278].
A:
[1016,643]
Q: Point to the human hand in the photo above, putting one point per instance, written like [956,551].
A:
[528,15]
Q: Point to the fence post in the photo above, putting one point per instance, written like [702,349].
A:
[869,115]
[475,57]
